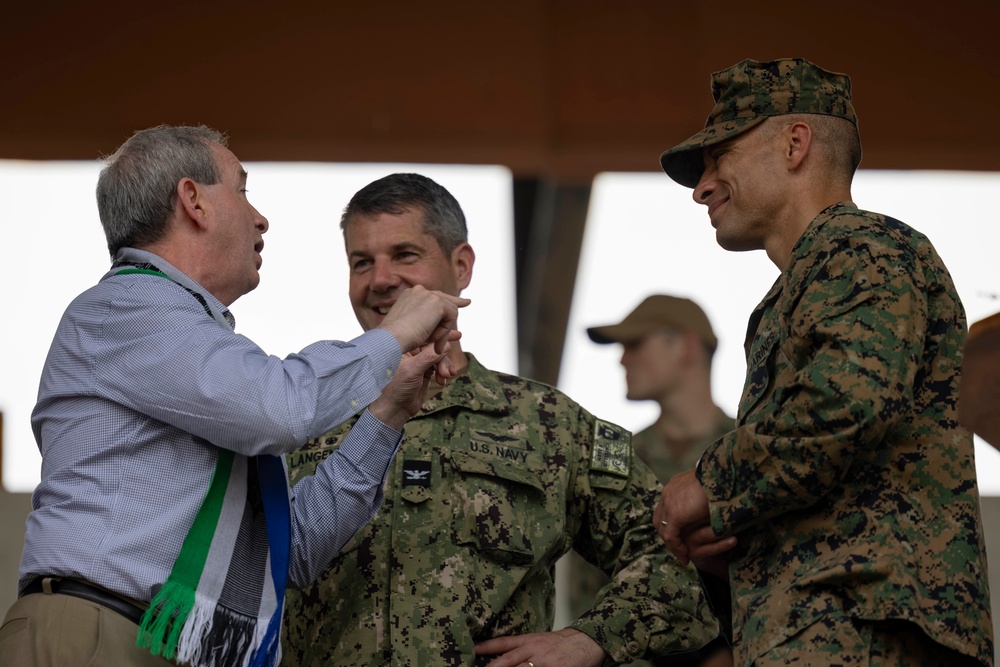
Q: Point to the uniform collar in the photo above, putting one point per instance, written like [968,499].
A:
[477,389]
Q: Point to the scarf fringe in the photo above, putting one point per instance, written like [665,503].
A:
[162,623]
[188,627]
[269,651]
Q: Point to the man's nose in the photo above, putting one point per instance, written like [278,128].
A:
[705,187]
[383,277]
[261,222]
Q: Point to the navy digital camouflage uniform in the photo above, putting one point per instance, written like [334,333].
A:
[586,580]
[848,481]
[496,478]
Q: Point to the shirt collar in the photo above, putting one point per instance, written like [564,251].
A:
[134,256]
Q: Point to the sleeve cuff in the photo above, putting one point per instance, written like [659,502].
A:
[371,436]
[382,348]
[621,636]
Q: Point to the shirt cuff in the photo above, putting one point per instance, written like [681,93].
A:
[371,437]
[382,348]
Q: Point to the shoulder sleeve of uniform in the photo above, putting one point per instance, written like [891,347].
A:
[610,452]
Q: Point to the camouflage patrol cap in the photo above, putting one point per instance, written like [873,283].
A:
[655,313]
[749,92]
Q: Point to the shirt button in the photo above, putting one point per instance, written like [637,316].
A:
[388,373]
[354,403]
[632,648]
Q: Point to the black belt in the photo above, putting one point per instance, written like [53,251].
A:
[79,589]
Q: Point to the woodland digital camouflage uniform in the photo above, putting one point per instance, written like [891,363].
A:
[496,478]
[848,480]
[586,580]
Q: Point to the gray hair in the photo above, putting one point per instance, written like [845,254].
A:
[396,193]
[137,189]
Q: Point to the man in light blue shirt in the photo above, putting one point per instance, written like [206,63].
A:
[163,528]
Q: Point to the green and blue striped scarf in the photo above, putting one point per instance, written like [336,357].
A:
[219,607]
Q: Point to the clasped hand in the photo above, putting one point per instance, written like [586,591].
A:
[682,520]
[423,322]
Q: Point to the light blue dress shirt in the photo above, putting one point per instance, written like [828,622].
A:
[145,379]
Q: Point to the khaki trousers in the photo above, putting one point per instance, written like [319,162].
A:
[64,631]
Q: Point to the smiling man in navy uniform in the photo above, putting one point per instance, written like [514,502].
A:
[497,477]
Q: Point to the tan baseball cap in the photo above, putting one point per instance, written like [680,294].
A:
[657,312]
[748,93]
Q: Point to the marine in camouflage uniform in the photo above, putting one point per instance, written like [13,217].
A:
[496,478]
[870,506]
[848,482]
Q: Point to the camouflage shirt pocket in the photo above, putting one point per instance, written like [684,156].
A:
[498,502]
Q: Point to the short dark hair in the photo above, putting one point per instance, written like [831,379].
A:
[396,193]
[836,138]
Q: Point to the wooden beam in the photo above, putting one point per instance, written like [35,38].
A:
[549,251]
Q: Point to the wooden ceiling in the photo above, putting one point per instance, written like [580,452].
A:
[560,89]
[556,90]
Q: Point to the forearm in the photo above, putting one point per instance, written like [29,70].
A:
[654,607]
[836,383]
[252,403]
[328,508]
[349,377]
[765,469]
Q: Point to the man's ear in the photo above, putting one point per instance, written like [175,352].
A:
[463,257]
[798,142]
[190,200]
